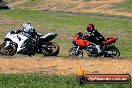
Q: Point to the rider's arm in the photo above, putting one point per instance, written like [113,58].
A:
[18,31]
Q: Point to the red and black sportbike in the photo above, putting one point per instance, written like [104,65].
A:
[81,43]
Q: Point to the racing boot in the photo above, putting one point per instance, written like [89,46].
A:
[98,48]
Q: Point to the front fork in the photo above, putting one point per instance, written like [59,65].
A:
[77,50]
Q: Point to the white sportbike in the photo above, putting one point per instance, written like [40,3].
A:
[18,42]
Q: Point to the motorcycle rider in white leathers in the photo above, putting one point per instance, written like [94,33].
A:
[32,35]
[28,28]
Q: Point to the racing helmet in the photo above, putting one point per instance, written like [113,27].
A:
[27,27]
[90,27]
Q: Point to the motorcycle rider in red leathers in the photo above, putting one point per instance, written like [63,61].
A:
[95,37]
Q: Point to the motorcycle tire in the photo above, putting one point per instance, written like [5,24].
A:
[115,52]
[10,51]
[72,52]
[49,51]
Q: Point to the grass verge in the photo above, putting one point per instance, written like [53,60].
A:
[46,81]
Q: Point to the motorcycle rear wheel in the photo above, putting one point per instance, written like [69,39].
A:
[51,50]
[115,52]
[9,50]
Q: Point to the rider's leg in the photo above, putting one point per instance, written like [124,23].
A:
[98,48]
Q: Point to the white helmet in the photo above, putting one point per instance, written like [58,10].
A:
[27,27]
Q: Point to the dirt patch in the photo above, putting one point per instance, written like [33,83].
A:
[63,66]
[93,6]
[17,2]
[105,7]
[6,21]
[5,24]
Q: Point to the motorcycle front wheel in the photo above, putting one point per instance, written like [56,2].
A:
[9,50]
[73,52]
[50,49]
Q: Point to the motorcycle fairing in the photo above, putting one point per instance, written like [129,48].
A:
[81,42]
[17,38]
[48,37]
[110,40]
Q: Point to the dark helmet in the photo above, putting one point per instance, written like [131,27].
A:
[90,28]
